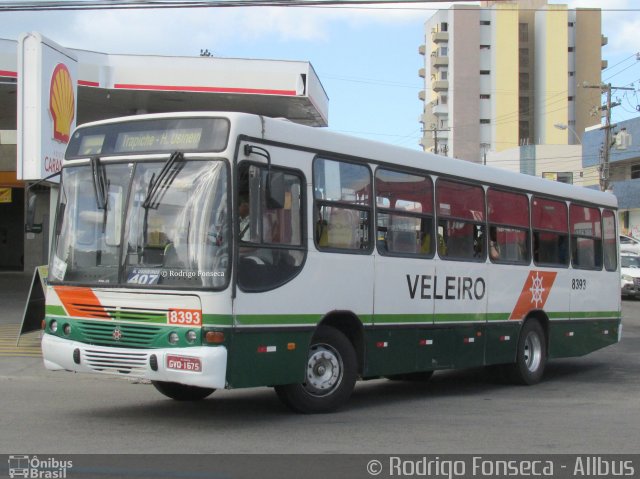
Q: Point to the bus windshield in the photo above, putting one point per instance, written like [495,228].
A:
[172,234]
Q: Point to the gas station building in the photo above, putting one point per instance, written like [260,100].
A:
[46,90]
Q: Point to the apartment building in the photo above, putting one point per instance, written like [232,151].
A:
[506,74]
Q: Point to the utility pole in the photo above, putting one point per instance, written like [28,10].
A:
[435,131]
[605,89]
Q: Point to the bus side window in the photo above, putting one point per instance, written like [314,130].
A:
[508,217]
[550,231]
[404,213]
[461,219]
[342,196]
[586,237]
[609,234]
[271,251]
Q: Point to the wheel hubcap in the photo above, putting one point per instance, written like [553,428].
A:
[324,370]
[532,352]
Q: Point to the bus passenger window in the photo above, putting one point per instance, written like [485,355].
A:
[586,237]
[461,218]
[343,205]
[609,233]
[550,232]
[508,227]
[404,213]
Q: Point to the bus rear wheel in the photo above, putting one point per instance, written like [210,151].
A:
[330,375]
[182,392]
[531,357]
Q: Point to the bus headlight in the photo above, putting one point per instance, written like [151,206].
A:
[191,336]
[53,326]
[173,338]
[66,329]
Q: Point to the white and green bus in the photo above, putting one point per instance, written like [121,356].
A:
[226,250]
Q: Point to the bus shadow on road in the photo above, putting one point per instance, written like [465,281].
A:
[262,404]
[476,382]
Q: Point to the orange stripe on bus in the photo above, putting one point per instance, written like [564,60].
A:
[76,300]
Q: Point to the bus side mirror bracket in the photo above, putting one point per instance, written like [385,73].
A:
[276,190]
[275,181]
[30,225]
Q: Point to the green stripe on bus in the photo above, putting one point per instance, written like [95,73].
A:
[402,318]
[55,310]
[498,316]
[459,318]
[279,319]
[584,315]
[217,320]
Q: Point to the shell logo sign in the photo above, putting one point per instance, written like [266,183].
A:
[62,103]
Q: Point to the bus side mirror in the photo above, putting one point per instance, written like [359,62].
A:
[30,224]
[276,190]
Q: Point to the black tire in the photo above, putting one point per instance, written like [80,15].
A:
[182,392]
[531,356]
[422,376]
[331,375]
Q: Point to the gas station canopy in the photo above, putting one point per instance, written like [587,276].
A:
[37,73]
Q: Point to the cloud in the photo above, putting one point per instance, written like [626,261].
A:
[177,31]
[620,27]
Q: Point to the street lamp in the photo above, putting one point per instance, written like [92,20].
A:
[564,126]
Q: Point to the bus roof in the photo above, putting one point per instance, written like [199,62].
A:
[329,142]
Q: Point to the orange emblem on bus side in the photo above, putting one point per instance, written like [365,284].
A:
[534,293]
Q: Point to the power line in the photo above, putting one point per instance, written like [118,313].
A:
[50,5]
[44,5]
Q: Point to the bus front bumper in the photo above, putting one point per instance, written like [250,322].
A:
[195,366]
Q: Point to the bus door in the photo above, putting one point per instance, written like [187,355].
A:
[459,283]
[592,298]
[272,321]
[403,338]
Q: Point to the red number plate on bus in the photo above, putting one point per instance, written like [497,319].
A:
[185,317]
[184,363]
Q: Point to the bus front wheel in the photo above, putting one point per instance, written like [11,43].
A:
[330,375]
[182,392]
[531,356]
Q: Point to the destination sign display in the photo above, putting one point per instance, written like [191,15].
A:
[181,139]
[150,136]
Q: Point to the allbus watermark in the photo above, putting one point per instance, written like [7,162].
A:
[480,466]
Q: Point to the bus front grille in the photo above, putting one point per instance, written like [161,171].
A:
[124,335]
[115,362]
[121,314]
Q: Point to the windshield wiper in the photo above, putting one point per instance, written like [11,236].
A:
[163,181]
[100,183]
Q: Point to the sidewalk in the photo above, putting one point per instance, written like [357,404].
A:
[14,289]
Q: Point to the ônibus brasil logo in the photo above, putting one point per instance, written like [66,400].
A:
[34,467]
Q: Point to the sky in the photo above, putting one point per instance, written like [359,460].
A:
[366,58]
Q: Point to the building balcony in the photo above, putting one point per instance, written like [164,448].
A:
[440,110]
[442,134]
[422,95]
[439,61]
[440,85]
[422,73]
[604,40]
[604,65]
[422,50]
[440,37]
